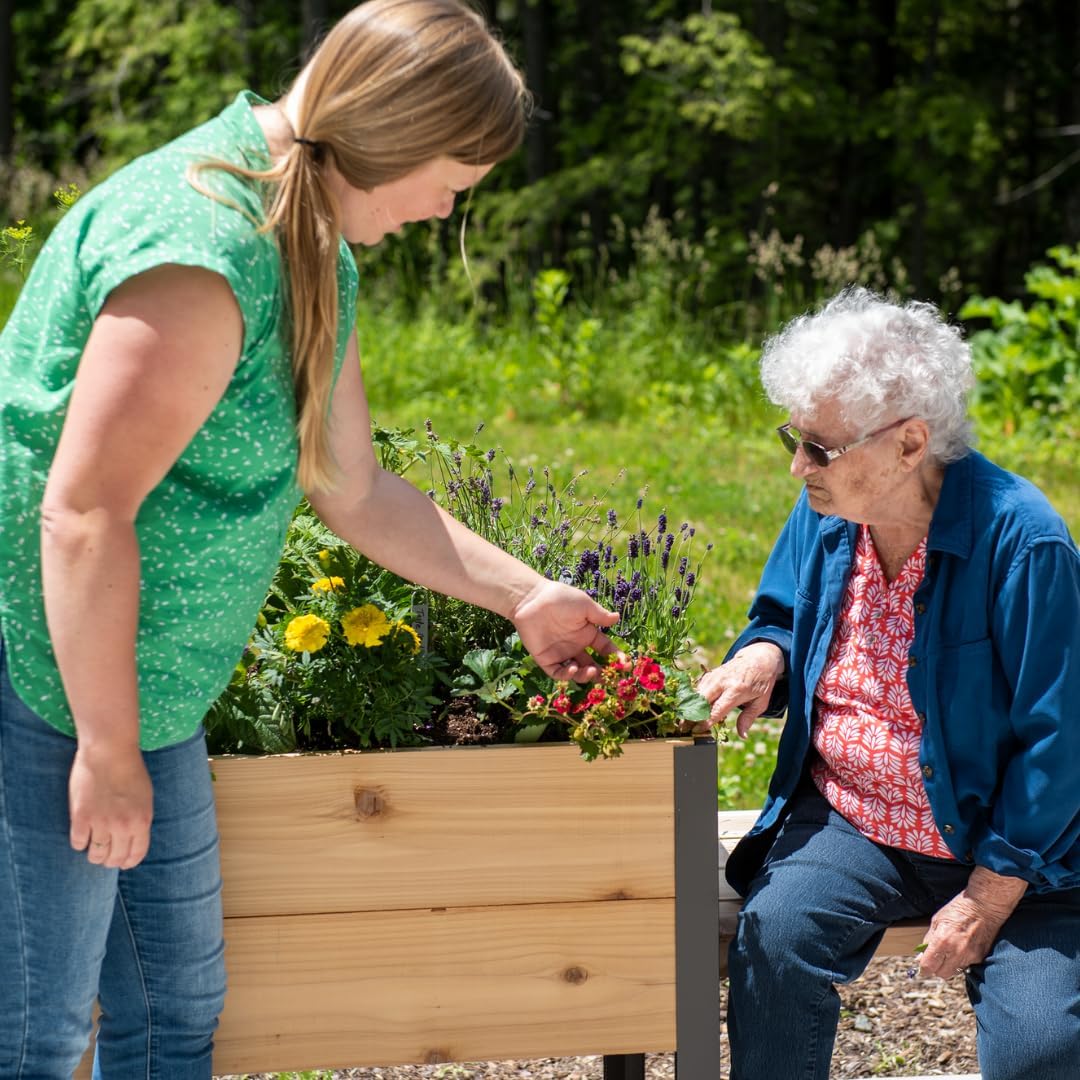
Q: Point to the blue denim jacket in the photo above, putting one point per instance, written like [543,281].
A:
[994,670]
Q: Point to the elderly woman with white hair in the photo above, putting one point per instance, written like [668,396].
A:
[919,621]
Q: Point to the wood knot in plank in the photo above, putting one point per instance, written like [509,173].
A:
[370,803]
[575,975]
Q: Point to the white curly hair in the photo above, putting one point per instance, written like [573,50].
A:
[879,360]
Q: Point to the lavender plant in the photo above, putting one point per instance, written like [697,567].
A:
[637,565]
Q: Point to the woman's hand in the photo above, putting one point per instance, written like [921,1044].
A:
[964,930]
[112,802]
[745,682]
[557,623]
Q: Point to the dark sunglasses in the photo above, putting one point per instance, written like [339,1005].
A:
[820,455]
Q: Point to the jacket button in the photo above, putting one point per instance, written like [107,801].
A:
[948,829]
[920,608]
[921,717]
[911,661]
[969,856]
[928,771]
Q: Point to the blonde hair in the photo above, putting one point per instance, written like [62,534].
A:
[394,85]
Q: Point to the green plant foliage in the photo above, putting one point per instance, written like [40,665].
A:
[1028,359]
[334,662]
[151,70]
[15,244]
[347,654]
[707,71]
[19,241]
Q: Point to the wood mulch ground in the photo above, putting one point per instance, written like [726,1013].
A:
[891,1025]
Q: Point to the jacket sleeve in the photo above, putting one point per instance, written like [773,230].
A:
[771,615]
[1035,823]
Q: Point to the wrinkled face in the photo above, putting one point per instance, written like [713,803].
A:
[864,483]
[426,192]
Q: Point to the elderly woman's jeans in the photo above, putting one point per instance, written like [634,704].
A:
[147,941]
[813,918]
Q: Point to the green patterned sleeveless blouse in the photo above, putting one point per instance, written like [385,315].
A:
[211,533]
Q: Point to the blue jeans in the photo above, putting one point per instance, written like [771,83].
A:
[814,916]
[147,942]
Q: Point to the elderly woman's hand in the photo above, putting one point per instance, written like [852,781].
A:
[745,682]
[963,931]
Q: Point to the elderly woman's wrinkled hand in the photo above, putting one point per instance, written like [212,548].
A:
[964,930]
[745,682]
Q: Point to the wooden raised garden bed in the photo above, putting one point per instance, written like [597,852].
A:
[459,904]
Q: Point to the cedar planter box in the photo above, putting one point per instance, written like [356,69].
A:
[456,904]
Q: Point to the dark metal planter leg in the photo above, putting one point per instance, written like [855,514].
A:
[624,1067]
[697,905]
[697,929]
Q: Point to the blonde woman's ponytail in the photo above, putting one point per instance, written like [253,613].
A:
[303,216]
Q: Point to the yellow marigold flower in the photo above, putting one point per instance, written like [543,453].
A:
[410,633]
[327,584]
[323,556]
[365,625]
[306,633]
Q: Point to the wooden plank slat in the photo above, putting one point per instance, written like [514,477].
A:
[333,991]
[444,828]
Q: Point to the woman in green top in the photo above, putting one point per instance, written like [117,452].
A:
[180,368]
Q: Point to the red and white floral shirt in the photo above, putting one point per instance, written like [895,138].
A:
[866,731]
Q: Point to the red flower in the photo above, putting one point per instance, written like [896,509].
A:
[536,702]
[561,703]
[626,690]
[648,674]
[595,695]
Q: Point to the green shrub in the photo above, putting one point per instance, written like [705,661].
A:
[1028,360]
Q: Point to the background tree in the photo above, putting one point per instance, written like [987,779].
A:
[766,148]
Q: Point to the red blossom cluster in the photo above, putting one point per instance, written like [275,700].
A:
[629,694]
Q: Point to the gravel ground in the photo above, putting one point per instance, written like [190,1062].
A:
[891,1025]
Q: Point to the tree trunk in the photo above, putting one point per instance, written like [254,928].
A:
[534,18]
[7,78]
[917,266]
[314,17]
[1067,22]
